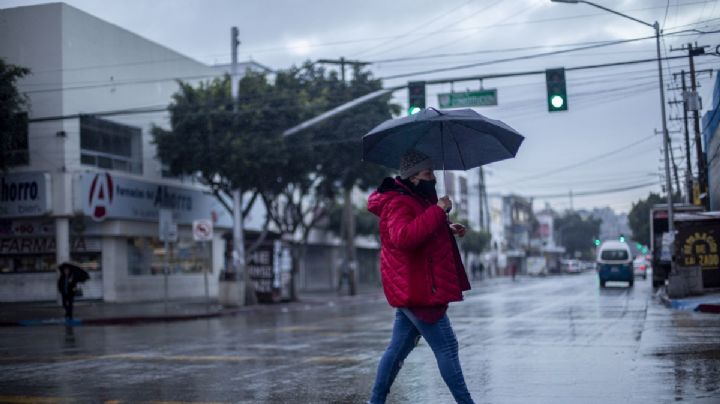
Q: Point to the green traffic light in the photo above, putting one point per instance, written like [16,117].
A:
[556,90]
[557,101]
[622,239]
[597,242]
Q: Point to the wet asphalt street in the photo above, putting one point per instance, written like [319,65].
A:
[547,340]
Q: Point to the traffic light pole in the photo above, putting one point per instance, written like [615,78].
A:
[666,139]
[666,136]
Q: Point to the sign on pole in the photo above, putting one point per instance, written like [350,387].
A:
[479,98]
[202,230]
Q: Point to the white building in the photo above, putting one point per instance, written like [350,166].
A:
[87,186]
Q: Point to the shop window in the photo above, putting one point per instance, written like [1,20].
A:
[147,256]
[17,151]
[36,263]
[110,145]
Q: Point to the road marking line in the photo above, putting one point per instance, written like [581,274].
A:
[52,400]
[32,399]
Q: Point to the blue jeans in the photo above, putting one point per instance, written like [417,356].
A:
[407,331]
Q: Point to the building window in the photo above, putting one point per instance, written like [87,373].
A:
[17,146]
[110,145]
[37,254]
[146,256]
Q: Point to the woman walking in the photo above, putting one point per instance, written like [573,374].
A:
[421,272]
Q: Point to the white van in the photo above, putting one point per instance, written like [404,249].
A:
[615,262]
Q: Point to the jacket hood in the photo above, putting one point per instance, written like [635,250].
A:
[388,189]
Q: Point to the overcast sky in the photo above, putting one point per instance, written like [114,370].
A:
[606,139]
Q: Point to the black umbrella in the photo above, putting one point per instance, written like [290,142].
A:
[78,273]
[457,139]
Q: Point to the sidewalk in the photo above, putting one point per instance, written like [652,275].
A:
[707,303]
[93,312]
[88,312]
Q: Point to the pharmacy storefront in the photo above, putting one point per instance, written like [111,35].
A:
[113,233]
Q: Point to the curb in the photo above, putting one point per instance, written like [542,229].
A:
[292,306]
[679,304]
[112,320]
[708,308]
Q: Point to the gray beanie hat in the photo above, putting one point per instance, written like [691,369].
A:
[412,162]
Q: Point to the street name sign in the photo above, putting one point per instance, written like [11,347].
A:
[479,98]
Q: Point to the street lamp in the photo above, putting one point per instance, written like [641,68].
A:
[666,140]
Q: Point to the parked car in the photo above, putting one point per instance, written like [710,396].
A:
[572,267]
[587,265]
[615,263]
[641,266]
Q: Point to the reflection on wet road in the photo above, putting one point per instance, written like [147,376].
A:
[548,340]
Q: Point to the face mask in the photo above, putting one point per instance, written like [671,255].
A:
[426,188]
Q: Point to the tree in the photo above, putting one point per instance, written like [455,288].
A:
[12,104]
[339,142]
[577,234]
[639,217]
[475,241]
[227,145]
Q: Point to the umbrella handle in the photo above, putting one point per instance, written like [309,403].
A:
[436,110]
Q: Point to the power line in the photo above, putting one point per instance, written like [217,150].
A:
[597,192]
[405,34]
[443,28]
[585,161]
[525,57]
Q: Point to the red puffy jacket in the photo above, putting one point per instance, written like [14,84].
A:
[419,259]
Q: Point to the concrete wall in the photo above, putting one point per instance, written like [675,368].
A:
[43,55]
[107,68]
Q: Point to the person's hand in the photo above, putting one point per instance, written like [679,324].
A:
[458,229]
[445,203]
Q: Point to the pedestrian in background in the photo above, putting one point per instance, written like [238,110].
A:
[67,286]
[421,272]
[474,268]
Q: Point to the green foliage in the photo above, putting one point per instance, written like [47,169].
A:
[242,146]
[639,217]
[367,224]
[228,149]
[12,103]
[339,140]
[475,241]
[576,233]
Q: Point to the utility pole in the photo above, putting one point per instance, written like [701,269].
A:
[350,265]
[688,164]
[342,62]
[237,194]
[482,202]
[672,156]
[693,103]
[672,159]
[702,164]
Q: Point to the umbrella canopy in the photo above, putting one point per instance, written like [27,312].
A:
[457,139]
[80,274]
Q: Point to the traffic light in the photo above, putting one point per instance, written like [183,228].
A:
[556,91]
[597,242]
[416,97]
[622,238]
